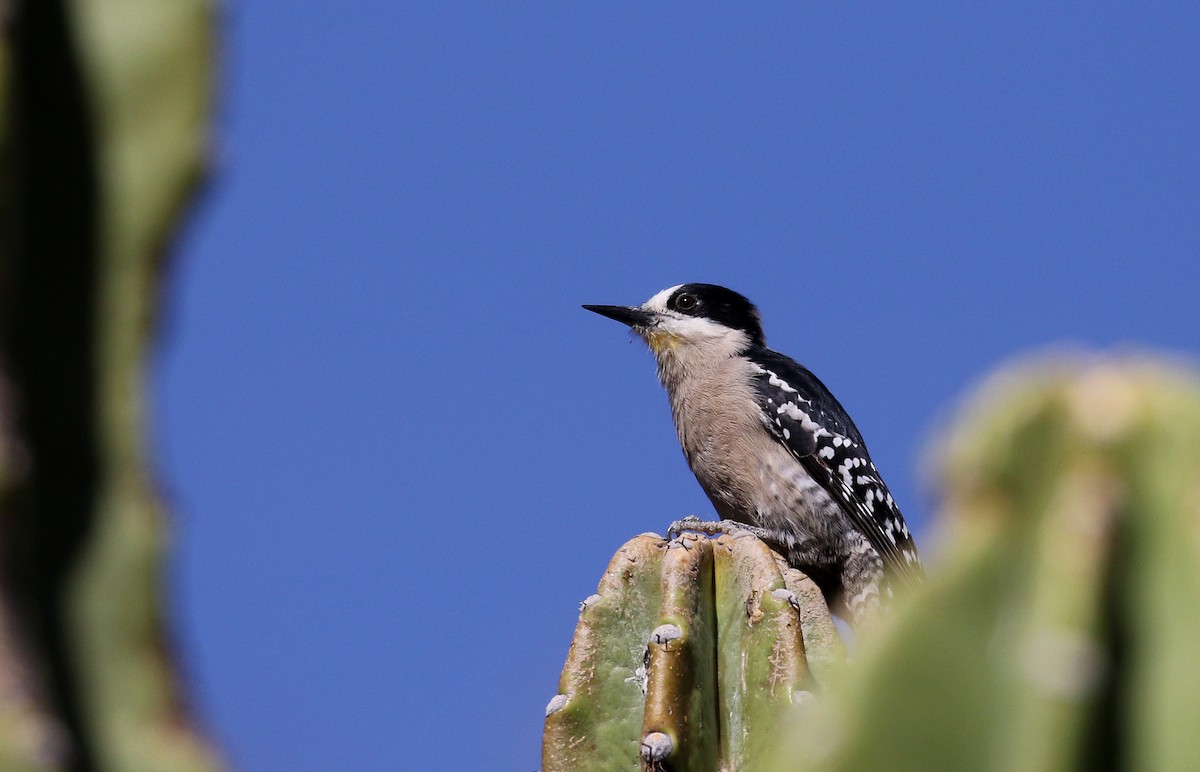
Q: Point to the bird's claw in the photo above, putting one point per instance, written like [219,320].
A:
[710,527]
[689,523]
[713,527]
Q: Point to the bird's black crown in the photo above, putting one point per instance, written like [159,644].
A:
[721,305]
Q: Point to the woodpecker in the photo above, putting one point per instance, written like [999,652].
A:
[772,448]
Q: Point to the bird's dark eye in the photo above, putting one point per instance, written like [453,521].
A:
[685,302]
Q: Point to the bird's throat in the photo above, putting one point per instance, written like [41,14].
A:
[661,341]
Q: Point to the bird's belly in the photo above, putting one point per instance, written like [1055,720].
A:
[764,485]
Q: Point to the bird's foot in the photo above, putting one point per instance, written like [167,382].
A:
[713,527]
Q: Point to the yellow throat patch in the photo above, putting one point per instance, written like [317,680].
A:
[661,341]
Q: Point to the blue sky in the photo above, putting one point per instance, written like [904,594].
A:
[399,453]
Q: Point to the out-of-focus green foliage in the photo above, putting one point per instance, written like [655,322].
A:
[687,658]
[1059,630]
[104,133]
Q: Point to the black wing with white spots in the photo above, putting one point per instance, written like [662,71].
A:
[805,417]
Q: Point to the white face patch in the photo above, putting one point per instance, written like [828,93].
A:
[674,329]
[659,302]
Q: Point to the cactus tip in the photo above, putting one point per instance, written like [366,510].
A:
[786,595]
[656,746]
[803,698]
[557,703]
[664,634]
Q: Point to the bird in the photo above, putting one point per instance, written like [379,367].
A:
[775,452]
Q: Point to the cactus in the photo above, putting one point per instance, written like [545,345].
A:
[103,131]
[1060,630]
[686,658]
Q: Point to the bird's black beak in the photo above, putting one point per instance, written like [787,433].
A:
[631,315]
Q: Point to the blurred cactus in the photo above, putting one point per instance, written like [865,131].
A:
[687,658]
[103,136]
[1060,629]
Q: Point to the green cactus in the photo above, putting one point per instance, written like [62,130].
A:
[687,657]
[103,131]
[1060,631]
